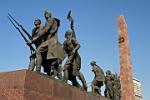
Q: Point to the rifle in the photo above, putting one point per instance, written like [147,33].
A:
[29,36]
[26,40]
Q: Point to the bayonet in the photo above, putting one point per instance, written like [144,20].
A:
[26,40]
[29,36]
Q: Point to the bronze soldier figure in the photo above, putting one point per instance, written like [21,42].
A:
[73,64]
[116,88]
[109,85]
[28,41]
[99,78]
[37,23]
[51,47]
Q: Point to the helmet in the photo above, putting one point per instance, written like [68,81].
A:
[69,32]
[93,62]
[47,13]
[37,21]
[108,72]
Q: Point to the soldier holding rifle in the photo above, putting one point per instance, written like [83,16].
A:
[53,48]
[29,41]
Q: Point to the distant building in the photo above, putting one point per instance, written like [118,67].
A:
[137,89]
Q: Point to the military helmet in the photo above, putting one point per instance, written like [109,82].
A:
[37,20]
[47,13]
[69,32]
[93,62]
[108,72]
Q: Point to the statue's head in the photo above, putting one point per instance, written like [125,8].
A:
[93,63]
[108,72]
[68,34]
[37,22]
[47,14]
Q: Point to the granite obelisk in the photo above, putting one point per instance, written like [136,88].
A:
[126,77]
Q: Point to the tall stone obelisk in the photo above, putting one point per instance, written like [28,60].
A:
[126,78]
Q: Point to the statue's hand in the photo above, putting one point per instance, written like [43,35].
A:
[73,52]
[34,39]
[29,43]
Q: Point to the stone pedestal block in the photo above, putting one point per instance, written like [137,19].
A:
[27,85]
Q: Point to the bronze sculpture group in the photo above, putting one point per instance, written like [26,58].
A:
[50,53]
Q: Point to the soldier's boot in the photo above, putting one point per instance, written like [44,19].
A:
[81,77]
[75,82]
[99,91]
[38,69]
[31,68]
[59,72]
[59,75]
[52,73]
[94,89]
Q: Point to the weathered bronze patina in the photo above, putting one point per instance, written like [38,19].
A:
[73,64]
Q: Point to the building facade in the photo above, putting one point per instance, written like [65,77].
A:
[137,89]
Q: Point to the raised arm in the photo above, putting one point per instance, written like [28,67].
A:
[76,44]
[70,18]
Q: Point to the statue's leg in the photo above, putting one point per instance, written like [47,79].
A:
[41,49]
[99,91]
[75,82]
[81,77]
[99,84]
[95,88]
[38,60]
[66,69]
[32,62]
[50,68]
[57,69]
[76,72]
[59,72]
[66,75]
[105,92]
[52,71]
[109,90]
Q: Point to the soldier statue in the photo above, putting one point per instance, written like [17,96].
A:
[50,48]
[37,23]
[30,40]
[109,85]
[99,78]
[116,88]
[73,64]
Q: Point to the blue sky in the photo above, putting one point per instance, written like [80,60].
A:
[96,30]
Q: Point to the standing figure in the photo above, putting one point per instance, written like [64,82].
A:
[109,85]
[116,88]
[73,64]
[99,78]
[51,48]
[37,23]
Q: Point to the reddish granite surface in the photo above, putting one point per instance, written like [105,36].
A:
[127,89]
[27,85]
